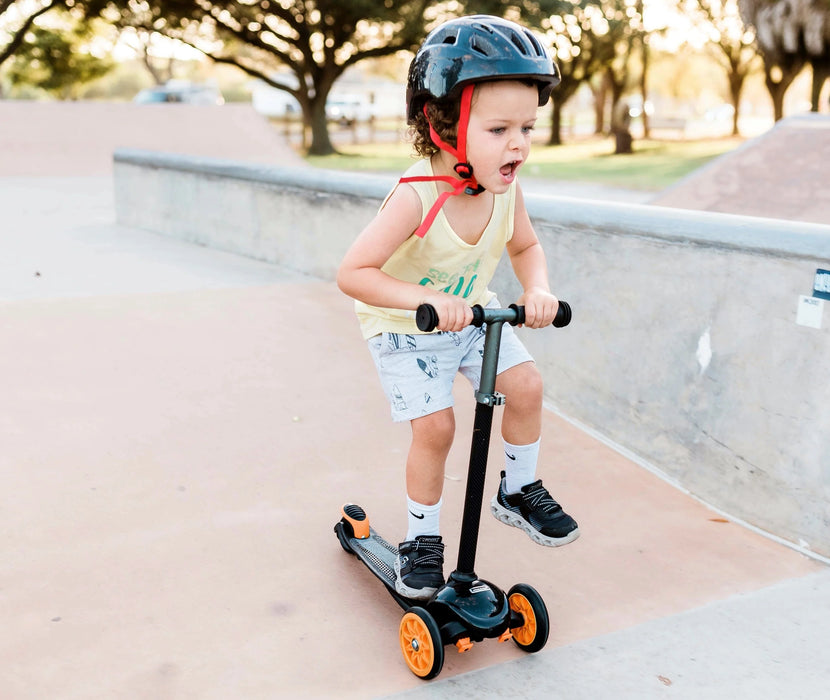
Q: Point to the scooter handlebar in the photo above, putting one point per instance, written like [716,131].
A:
[426,317]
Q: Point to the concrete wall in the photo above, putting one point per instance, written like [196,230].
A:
[686,346]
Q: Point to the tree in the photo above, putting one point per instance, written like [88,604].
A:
[790,34]
[316,40]
[577,31]
[144,42]
[733,45]
[625,34]
[21,24]
[16,21]
[58,60]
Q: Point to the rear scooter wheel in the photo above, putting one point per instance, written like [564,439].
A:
[340,529]
[533,634]
[421,643]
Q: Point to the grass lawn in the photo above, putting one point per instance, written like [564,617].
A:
[654,164]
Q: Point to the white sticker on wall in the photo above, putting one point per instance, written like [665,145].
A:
[810,311]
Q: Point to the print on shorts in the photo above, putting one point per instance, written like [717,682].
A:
[397,400]
[429,366]
[401,341]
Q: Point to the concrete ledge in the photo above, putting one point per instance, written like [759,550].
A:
[710,230]
[300,218]
[685,347]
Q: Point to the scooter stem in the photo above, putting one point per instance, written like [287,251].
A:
[486,399]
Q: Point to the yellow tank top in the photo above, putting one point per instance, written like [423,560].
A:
[441,260]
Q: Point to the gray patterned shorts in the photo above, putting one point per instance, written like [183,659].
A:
[417,371]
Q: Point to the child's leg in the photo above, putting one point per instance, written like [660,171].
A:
[522,418]
[522,500]
[417,373]
[432,437]
[420,562]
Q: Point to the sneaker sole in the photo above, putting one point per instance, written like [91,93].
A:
[412,593]
[508,517]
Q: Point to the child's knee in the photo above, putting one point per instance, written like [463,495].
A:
[436,429]
[523,385]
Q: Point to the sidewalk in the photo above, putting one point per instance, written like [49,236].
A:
[179,428]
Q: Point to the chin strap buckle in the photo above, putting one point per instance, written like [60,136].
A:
[464,170]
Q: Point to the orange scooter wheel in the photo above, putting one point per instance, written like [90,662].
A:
[421,643]
[533,634]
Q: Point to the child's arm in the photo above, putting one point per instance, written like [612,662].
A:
[360,275]
[528,260]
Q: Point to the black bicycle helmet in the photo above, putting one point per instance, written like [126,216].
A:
[473,49]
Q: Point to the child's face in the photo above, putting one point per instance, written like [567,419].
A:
[502,116]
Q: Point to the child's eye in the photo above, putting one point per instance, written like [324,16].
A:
[527,129]
[497,130]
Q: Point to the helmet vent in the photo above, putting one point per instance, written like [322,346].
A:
[449,40]
[518,43]
[480,46]
[540,51]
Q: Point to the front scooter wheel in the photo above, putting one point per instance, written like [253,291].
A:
[533,634]
[421,643]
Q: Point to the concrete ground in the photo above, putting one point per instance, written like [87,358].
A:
[179,428]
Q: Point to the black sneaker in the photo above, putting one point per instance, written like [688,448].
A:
[534,511]
[420,567]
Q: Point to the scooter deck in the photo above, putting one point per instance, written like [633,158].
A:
[374,551]
[378,554]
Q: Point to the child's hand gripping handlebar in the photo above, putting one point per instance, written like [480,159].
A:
[426,317]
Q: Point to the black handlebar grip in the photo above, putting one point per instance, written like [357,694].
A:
[478,315]
[562,318]
[520,314]
[426,318]
[563,315]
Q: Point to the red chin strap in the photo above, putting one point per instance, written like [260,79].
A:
[467,183]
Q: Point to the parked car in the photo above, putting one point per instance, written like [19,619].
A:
[186,93]
[348,109]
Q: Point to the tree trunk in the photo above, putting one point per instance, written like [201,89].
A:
[600,93]
[821,72]
[789,68]
[556,124]
[776,92]
[736,86]
[622,128]
[644,81]
[315,117]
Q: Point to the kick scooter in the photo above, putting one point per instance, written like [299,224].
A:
[465,609]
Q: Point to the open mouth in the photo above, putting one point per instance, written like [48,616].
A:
[508,170]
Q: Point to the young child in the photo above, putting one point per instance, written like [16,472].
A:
[472,96]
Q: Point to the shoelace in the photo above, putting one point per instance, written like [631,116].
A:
[538,497]
[429,553]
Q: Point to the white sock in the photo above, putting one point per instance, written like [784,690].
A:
[423,520]
[520,465]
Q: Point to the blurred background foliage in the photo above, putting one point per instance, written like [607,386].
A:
[656,62]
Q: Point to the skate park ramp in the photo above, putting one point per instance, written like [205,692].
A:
[180,427]
[78,138]
[781,174]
